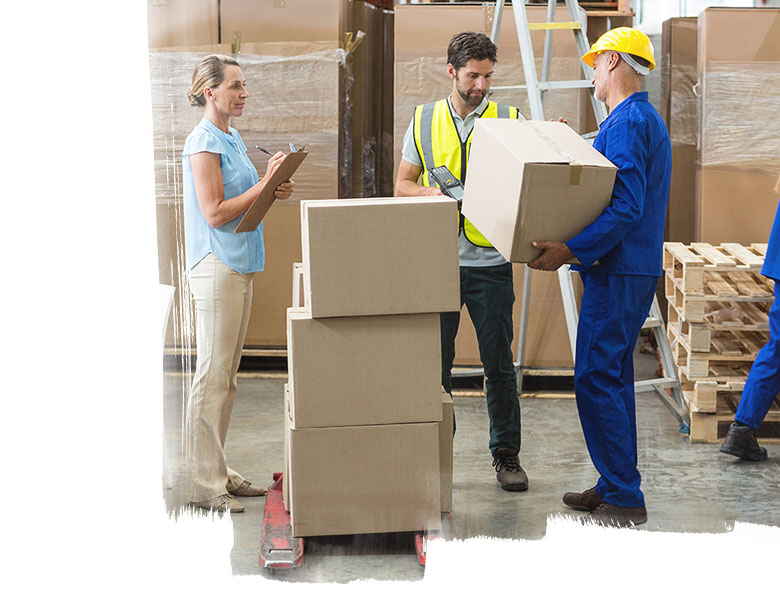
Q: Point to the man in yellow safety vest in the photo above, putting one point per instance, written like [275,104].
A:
[440,135]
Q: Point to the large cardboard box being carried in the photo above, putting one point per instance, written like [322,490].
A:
[363,370]
[368,479]
[382,256]
[533,181]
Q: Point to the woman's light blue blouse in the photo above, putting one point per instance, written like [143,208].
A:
[242,252]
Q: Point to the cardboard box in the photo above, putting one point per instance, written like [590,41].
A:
[372,479]
[283,20]
[533,181]
[363,370]
[445,450]
[286,462]
[297,285]
[739,74]
[678,109]
[182,22]
[735,205]
[381,256]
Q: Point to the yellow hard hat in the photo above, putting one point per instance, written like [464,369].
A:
[622,39]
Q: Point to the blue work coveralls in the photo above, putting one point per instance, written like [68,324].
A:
[627,241]
[763,383]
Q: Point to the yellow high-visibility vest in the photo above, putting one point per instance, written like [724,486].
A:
[438,144]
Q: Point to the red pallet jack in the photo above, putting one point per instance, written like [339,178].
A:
[280,550]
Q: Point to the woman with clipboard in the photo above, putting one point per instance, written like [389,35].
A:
[220,184]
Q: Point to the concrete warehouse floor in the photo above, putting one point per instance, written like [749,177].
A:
[688,487]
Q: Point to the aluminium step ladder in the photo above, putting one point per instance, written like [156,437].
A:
[673,399]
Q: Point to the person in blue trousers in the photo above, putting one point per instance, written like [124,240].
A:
[620,256]
[763,383]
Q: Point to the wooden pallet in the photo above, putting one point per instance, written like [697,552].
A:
[700,275]
[712,406]
[719,317]
[718,373]
[724,347]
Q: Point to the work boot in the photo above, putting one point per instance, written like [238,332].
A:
[508,470]
[741,441]
[223,503]
[609,515]
[587,500]
[245,488]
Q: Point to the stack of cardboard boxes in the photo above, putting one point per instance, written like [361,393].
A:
[366,413]
[739,124]
[721,80]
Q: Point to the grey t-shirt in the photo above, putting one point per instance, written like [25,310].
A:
[470,255]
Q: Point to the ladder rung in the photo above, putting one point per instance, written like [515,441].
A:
[565,85]
[651,323]
[649,384]
[467,372]
[547,85]
[545,26]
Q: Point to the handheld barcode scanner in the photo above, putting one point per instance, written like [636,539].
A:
[448,183]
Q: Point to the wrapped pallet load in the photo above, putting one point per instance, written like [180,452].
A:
[739,123]
[308,113]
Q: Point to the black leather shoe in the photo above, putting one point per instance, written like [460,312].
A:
[741,441]
[609,515]
[508,470]
[587,500]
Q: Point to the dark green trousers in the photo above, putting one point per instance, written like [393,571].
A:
[488,295]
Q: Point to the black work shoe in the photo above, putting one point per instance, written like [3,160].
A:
[587,500]
[741,441]
[609,515]
[508,470]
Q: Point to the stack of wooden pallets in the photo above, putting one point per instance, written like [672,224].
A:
[717,321]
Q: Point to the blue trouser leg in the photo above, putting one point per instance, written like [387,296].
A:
[763,383]
[488,294]
[613,310]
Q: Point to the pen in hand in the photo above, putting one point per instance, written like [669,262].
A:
[264,150]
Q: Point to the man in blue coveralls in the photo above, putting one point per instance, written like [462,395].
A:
[763,383]
[627,241]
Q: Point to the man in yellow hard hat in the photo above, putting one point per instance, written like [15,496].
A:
[620,254]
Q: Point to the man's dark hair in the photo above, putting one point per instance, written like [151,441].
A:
[468,45]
